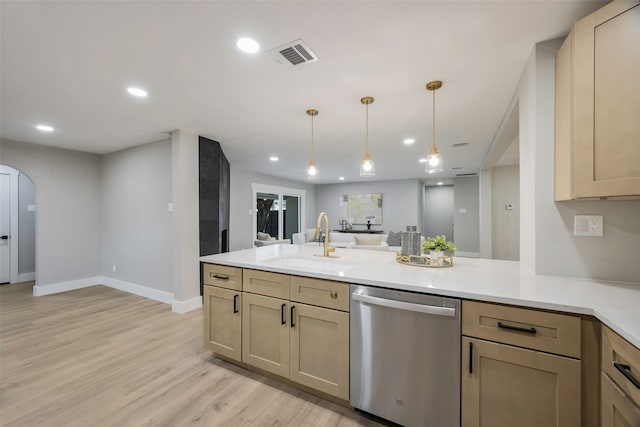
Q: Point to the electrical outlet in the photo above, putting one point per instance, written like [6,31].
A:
[170,207]
[113,268]
[588,225]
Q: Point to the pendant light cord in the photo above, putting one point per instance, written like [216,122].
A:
[312,152]
[367,128]
[433,127]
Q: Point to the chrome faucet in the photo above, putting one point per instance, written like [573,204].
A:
[327,247]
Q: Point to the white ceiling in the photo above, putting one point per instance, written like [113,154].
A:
[68,64]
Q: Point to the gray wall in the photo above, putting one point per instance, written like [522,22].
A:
[505,224]
[26,225]
[466,193]
[68,214]
[136,224]
[401,202]
[241,219]
[547,243]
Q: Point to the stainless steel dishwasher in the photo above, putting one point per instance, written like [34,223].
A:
[405,356]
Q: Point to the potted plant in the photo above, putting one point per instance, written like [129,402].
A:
[438,248]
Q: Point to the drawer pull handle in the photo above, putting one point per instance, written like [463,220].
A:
[219,277]
[334,295]
[470,357]
[235,303]
[517,328]
[626,371]
[283,316]
[293,322]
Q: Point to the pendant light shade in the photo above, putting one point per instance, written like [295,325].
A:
[367,169]
[312,170]
[434,159]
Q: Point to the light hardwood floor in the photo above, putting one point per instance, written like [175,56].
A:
[101,357]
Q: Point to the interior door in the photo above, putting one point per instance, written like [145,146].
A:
[438,211]
[5,227]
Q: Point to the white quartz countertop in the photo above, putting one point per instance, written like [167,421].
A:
[617,305]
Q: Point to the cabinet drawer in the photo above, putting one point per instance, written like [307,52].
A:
[539,330]
[265,283]
[223,276]
[323,293]
[616,350]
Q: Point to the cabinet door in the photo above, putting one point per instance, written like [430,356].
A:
[320,349]
[618,410]
[223,322]
[265,337]
[505,386]
[606,91]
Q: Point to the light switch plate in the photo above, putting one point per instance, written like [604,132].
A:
[588,225]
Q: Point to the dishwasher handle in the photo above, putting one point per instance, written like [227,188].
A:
[401,305]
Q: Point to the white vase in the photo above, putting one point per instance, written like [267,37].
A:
[437,257]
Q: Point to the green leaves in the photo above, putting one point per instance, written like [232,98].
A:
[437,244]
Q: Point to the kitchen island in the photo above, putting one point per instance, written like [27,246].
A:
[284,310]
[617,305]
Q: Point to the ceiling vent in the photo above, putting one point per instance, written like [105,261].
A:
[293,54]
[467,174]
[460,144]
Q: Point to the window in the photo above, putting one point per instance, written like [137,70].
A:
[278,211]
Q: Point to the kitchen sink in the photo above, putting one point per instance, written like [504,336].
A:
[325,264]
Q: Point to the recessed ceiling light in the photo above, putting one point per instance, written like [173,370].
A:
[440,183]
[248,45]
[44,128]
[136,91]
[341,178]
[409,141]
[274,158]
[422,160]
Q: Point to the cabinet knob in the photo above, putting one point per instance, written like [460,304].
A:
[334,295]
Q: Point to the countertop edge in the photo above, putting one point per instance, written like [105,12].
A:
[606,317]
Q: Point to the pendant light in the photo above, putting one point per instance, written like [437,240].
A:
[312,171]
[367,169]
[434,159]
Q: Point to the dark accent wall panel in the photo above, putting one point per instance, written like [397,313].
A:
[214,180]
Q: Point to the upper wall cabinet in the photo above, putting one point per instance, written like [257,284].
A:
[597,106]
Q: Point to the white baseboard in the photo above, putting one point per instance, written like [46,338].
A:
[139,290]
[182,307]
[54,288]
[26,277]
[143,291]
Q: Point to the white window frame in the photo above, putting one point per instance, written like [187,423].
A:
[280,191]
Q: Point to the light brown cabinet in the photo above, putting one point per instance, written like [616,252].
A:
[319,349]
[291,326]
[597,99]
[265,335]
[222,304]
[506,384]
[620,381]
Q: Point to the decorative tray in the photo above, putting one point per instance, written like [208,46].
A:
[425,260]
